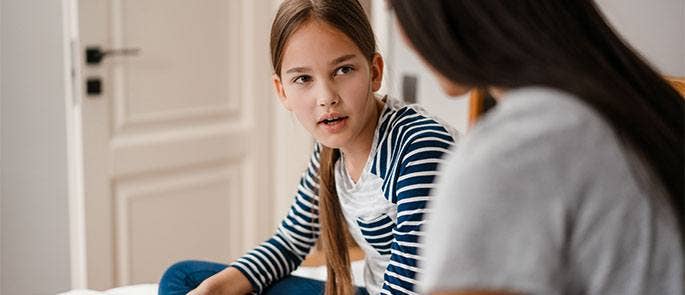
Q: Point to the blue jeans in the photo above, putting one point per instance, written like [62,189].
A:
[184,276]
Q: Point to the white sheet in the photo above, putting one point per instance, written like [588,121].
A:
[318,273]
[140,289]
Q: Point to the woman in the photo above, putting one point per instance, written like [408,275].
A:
[573,184]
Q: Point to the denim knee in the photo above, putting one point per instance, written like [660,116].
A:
[186,275]
[178,270]
[175,279]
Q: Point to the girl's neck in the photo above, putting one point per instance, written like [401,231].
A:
[357,153]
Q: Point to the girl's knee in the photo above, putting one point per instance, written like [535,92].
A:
[180,265]
[190,270]
[177,270]
[175,278]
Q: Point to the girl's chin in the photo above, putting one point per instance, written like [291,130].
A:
[334,143]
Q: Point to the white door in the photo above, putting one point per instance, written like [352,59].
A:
[177,144]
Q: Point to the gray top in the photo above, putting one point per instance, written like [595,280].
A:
[542,198]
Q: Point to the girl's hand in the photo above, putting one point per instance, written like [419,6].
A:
[210,288]
[202,289]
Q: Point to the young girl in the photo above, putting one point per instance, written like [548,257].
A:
[573,183]
[370,173]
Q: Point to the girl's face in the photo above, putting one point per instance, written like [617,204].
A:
[328,83]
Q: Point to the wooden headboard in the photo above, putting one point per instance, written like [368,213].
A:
[678,83]
[479,101]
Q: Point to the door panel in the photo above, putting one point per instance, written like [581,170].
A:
[191,211]
[189,68]
[177,145]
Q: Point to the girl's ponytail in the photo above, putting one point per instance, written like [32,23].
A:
[333,229]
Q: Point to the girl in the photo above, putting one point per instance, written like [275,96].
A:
[573,184]
[370,173]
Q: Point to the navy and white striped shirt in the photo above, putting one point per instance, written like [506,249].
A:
[407,150]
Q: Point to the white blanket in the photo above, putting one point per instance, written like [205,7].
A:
[318,273]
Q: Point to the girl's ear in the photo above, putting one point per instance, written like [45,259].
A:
[376,72]
[278,86]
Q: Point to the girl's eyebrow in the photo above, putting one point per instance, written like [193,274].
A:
[297,70]
[342,59]
[338,60]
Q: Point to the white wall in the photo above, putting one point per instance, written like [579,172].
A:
[292,148]
[0,151]
[34,209]
[655,28]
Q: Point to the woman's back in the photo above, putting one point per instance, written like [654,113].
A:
[553,203]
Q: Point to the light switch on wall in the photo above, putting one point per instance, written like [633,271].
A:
[409,85]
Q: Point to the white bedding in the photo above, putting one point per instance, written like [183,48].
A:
[318,273]
[140,289]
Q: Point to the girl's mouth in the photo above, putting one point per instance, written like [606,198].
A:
[332,120]
[333,123]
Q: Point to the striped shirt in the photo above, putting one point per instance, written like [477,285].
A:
[407,149]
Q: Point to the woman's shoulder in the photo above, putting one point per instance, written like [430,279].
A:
[545,136]
[542,115]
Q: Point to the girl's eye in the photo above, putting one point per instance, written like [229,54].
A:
[302,79]
[344,70]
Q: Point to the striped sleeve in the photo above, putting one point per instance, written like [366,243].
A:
[297,233]
[422,144]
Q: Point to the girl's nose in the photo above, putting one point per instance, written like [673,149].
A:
[328,101]
[327,96]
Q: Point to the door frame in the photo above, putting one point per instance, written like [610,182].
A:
[77,241]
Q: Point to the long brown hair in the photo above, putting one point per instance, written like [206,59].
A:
[347,16]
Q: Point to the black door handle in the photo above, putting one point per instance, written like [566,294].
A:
[95,54]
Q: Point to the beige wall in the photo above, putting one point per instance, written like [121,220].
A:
[34,211]
[0,151]
[655,28]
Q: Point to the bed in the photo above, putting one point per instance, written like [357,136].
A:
[314,272]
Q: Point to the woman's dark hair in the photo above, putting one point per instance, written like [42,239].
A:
[567,45]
